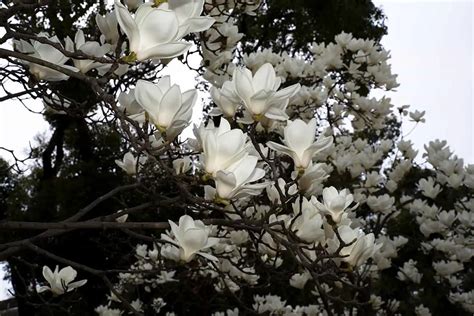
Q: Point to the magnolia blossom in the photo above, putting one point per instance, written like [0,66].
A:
[60,281]
[156,32]
[259,92]
[299,142]
[235,181]
[299,280]
[47,53]
[89,48]
[108,26]
[129,163]
[182,165]
[334,202]
[311,180]
[166,107]
[128,104]
[226,99]
[191,237]
[221,146]
[308,223]
[360,246]
[417,116]
[429,188]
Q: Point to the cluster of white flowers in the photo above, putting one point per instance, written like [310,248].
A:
[305,179]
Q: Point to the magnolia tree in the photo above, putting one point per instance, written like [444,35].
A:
[298,197]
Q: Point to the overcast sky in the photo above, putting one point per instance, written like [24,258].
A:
[431,44]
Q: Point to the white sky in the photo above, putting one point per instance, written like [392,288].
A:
[431,44]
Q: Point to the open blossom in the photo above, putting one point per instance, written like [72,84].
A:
[182,165]
[429,188]
[128,104]
[361,248]
[156,32]
[60,281]
[191,237]
[259,92]
[129,163]
[226,99]
[417,116]
[47,53]
[446,268]
[299,142]
[308,223]
[311,180]
[236,181]
[90,48]
[409,272]
[334,202]
[221,146]
[165,106]
[299,280]
[152,32]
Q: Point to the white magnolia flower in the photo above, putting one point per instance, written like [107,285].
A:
[221,146]
[108,27]
[129,163]
[273,193]
[103,310]
[89,48]
[226,99]
[382,203]
[417,116]
[191,237]
[299,280]
[308,223]
[446,268]
[361,248]
[299,142]
[47,53]
[156,32]
[334,202]
[128,104]
[311,180]
[259,92]
[60,281]
[409,272]
[429,188]
[182,165]
[189,16]
[166,107]
[235,181]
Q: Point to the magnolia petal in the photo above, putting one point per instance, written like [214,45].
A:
[208,256]
[148,95]
[73,285]
[288,92]
[127,24]
[167,50]
[48,274]
[201,23]
[280,148]
[243,83]
[67,274]
[169,106]
[264,78]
